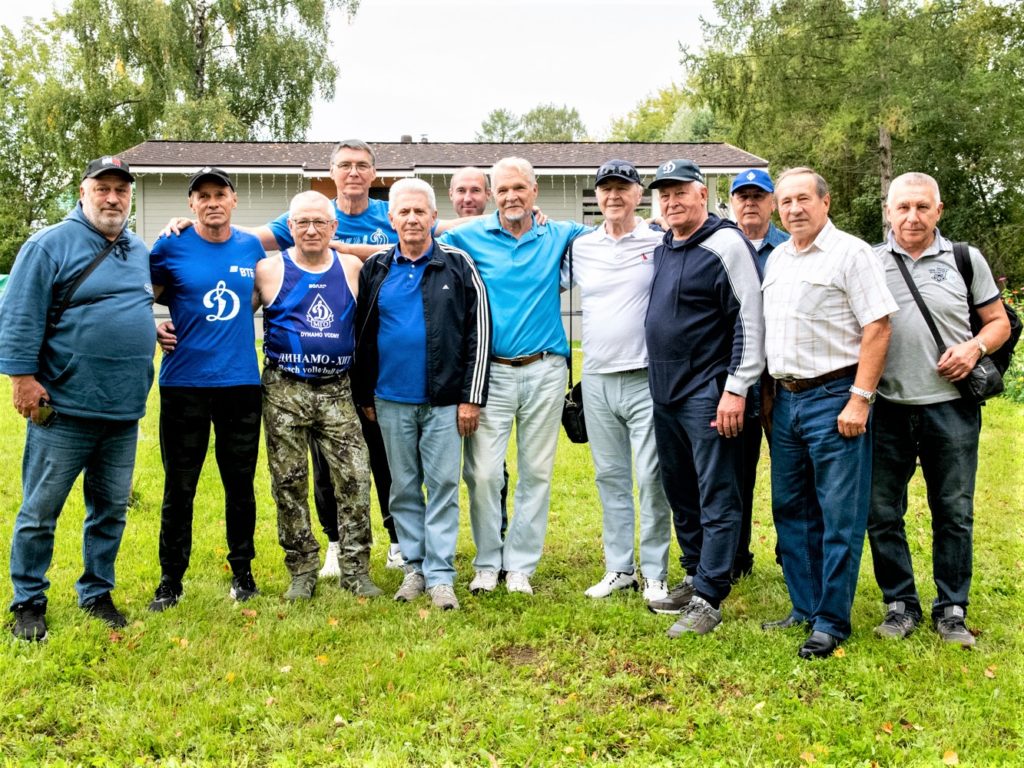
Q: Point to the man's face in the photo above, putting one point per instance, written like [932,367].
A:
[803,213]
[312,227]
[212,203]
[514,194]
[753,207]
[913,212]
[412,219]
[684,206]
[353,173]
[469,193]
[106,201]
[618,200]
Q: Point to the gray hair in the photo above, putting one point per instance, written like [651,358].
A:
[914,179]
[470,170]
[311,197]
[356,144]
[412,185]
[519,164]
[820,185]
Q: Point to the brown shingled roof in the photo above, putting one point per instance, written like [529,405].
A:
[393,156]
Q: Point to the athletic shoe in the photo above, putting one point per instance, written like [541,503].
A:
[612,582]
[655,590]
[395,561]
[243,587]
[331,569]
[517,581]
[103,608]
[443,597]
[360,585]
[484,581]
[167,595]
[897,623]
[676,601]
[30,622]
[302,587]
[698,617]
[412,587]
[951,627]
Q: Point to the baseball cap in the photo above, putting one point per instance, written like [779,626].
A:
[754,177]
[209,173]
[616,169]
[677,172]
[107,164]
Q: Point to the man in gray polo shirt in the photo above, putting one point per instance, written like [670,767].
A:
[920,414]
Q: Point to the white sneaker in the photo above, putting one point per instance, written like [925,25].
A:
[443,597]
[613,581]
[331,569]
[484,581]
[517,581]
[412,587]
[655,590]
[395,560]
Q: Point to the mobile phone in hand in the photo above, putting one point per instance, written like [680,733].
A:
[44,413]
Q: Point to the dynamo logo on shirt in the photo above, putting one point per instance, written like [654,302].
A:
[320,315]
[378,237]
[223,301]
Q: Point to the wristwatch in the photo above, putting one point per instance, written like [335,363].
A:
[865,393]
[981,348]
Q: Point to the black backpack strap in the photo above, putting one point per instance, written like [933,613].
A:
[69,294]
[962,257]
[568,255]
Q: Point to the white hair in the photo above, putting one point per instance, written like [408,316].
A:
[518,164]
[412,185]
[914,179]
[311,198]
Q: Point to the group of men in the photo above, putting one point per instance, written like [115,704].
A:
[450,335]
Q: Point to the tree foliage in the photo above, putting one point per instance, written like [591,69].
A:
[864,91]
[545,122]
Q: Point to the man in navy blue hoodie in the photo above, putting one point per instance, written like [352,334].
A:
[80,378]
[705,341]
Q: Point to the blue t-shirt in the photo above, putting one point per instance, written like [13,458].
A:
[522,280]
[309,327]
[371,227]
[402,337]
[208,287]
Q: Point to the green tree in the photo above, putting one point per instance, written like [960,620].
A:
[545,122]
[650,119]
[500,126]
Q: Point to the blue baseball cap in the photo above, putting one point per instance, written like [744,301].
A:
[754,177]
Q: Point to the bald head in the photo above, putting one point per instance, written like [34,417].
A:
[469,191]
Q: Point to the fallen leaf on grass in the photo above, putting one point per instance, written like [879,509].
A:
[361,600]
[332,622]
[569,750]
[116,637]
[271,701]
[424,613]
[909,726]
[181,642]
[839,652]
[990,672]
[887,727]
[249,612]
[286,669]
[322,660]
[759,706]
[230,677]
[807,757]
[779,737]
[950,758]
[492,760]
[339,721]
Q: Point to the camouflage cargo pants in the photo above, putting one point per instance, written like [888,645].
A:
[292,412]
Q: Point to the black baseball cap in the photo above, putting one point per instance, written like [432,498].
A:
[616,169]
[209,173]
[677,172]
[107,164]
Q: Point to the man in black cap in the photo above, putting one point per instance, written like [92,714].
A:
[76,338]
[211,376]
[705,341]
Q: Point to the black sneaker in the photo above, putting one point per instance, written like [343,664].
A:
[897,622]
[243,587]
[103,608]
[951,626]
[167,595]
[30,622]
[678,598]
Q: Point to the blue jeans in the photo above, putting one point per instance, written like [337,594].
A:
[424,447]
[945,437]
[702,473]
[54,458]
[620,427]
[821,486]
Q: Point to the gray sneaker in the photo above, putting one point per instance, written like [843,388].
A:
[698,617]
[412,587]
[897,623]
[361,585]
[678,598]
[951,627]
[443,597]
[302,586]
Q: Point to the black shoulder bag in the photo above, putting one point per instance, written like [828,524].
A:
[573,420]
[69,294]
[984,380]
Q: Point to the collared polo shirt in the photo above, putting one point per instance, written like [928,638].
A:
[402,337]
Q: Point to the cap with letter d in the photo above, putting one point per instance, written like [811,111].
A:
[677,172]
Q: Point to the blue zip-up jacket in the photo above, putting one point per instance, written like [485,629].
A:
[97,363]
[704,320]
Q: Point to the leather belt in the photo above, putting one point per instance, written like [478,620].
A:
[518,362]
[802,385]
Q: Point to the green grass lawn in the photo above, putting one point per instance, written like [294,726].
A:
[556,679]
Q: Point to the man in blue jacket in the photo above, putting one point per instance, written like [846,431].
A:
[705,342]
[80,377]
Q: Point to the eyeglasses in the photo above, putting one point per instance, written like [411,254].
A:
[362,167]
[318,224]
[618,169]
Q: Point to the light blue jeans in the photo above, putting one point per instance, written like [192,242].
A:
[621,430]
[531,396]
[424,447]
[54,458]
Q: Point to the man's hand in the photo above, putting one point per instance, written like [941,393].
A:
[853,421]
[27,392]
[175,226]
[468,419]
[539,216]
[165,336]
[729,418]
[959,360]
[370,413]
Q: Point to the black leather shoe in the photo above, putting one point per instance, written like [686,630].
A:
[819,645]
[790,621]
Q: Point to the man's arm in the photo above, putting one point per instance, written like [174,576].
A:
[853,421]
[360,250]
[477,344]
[960,359]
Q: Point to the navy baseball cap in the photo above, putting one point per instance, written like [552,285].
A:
[209,173]
[617,169]
[754,177]
[107,164]
[677,172]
